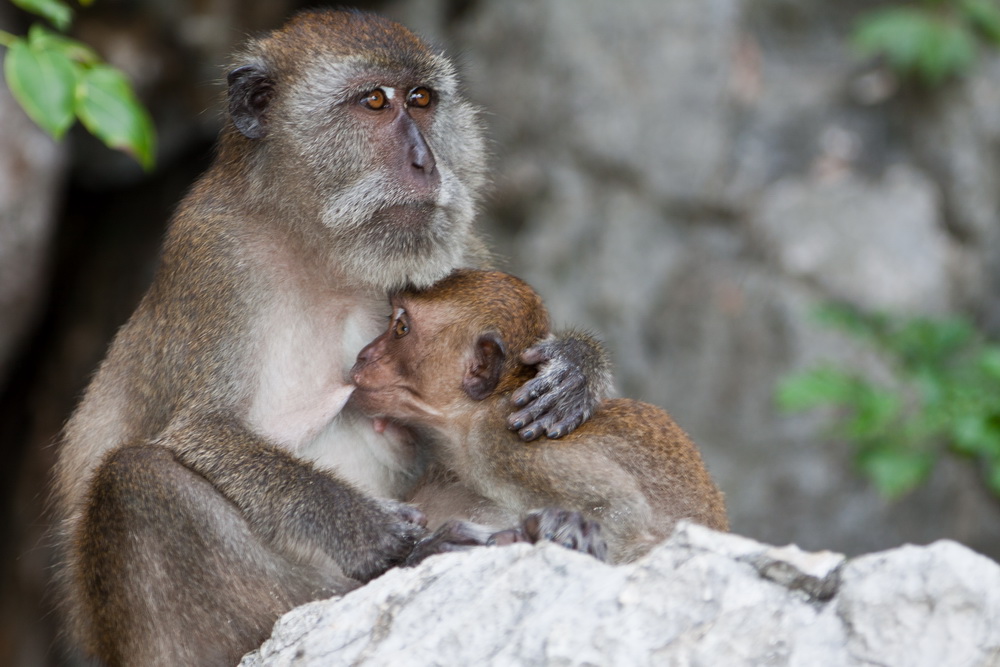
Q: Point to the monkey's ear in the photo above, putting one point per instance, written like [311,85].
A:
[250,92]
[484,370]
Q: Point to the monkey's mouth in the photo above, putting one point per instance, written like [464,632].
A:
[416,214]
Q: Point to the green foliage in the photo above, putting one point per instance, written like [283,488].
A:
[56,80]
[108,108]
[930,41]
[944,397]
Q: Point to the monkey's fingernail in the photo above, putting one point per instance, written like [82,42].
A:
[529,434]
[555,433]
[518,425]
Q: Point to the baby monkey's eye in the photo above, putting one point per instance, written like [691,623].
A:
[400,328]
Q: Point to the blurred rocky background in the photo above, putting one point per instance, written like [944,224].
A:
[689,179]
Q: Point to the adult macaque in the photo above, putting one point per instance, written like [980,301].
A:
[446,367]
[210,479]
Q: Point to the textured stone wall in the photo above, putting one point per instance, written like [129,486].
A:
[690,179]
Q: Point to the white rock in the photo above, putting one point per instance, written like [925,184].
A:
[701,598]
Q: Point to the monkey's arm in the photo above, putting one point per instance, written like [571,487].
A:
[290,503]
[574,376]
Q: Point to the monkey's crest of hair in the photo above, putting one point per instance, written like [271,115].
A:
[499,303]
[317,34]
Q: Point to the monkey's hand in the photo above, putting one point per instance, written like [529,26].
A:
[453,535]
[399,532]
[573,377]
[564,527]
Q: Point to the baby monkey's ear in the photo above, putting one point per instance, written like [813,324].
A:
[485,367]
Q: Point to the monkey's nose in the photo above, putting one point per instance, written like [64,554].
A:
[423,167]
[357,374]
[422,159]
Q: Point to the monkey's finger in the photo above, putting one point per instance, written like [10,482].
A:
[536,354]
[566,384]
[544,523]
[594,540]
[530,390]
[565,426]
[505,537]
[537,427]
[524,418]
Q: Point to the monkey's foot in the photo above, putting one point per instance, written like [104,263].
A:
[564,527]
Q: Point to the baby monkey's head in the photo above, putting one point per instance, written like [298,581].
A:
[456,342]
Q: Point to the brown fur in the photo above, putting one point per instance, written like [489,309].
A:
[630,466]
[209,480]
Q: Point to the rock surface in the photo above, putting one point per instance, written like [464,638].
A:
[701,598]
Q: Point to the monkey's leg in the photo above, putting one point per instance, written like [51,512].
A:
[574,376]
[171,573]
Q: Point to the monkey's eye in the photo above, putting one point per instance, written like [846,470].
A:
[419,97]
[400,328]
[376,99]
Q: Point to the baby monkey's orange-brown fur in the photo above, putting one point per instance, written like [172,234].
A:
[446,367]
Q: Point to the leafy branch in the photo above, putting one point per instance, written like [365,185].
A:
[944,398]
[930,41]
[57,80]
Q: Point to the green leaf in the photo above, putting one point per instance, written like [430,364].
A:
[948,50]
[989,361]
[898,33]
[922,340]
[41,38]
[109,108]
[993,477]
[42,81]
[984,16]
[815,388]
[875,410]
[58,13]
[850,320]
[915,42]
[975,434]
[895,472]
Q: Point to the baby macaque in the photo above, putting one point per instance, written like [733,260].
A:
[445,369]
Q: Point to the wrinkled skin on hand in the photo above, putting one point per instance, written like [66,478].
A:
[574,376]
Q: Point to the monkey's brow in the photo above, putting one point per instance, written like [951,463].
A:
[403,84]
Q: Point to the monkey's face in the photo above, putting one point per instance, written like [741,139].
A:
[410,373]
[369,122]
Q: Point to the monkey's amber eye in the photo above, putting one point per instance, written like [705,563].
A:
[419,97]
[376,99]
[400,328]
